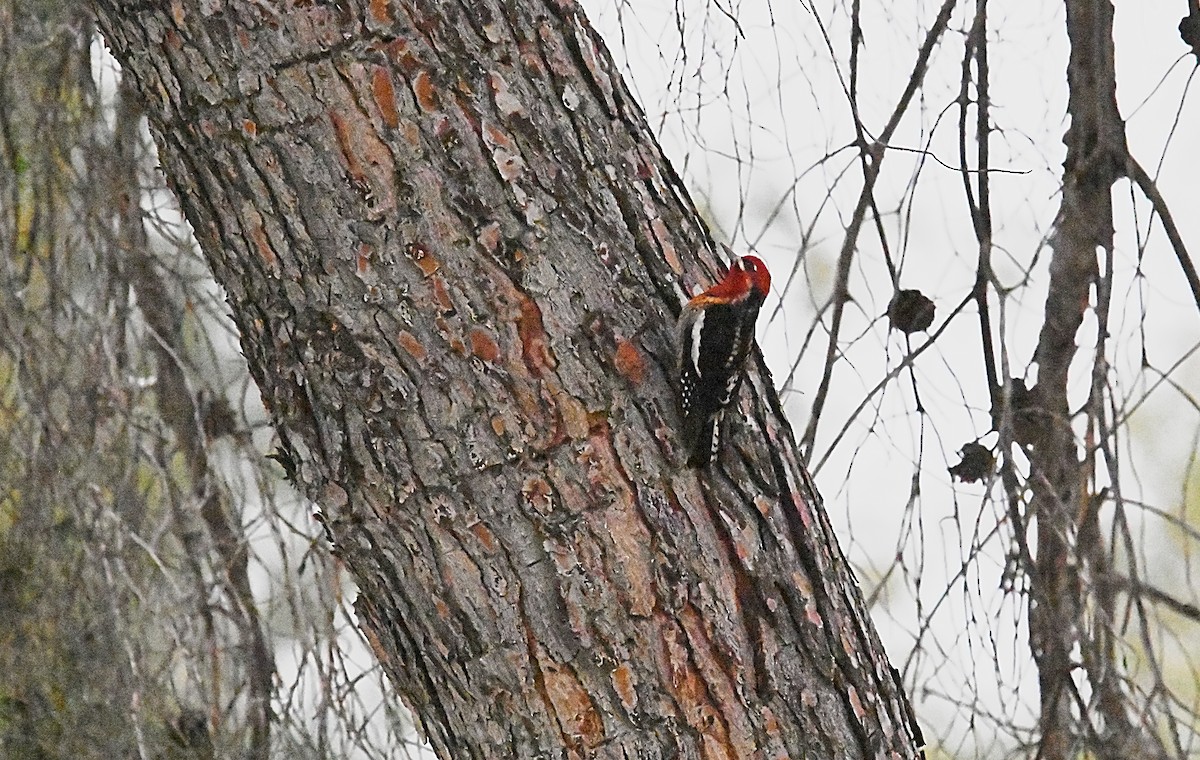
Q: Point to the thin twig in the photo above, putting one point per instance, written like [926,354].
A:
[1150,190]
[1158,596]
[907,361]
[841,292]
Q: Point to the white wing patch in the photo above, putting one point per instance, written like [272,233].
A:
[697,329]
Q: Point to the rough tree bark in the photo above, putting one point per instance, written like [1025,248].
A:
[454,252]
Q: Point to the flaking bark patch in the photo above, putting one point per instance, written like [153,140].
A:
[424,91]
[629,362]
[572,705]
[483,345]
[409,343]
[534,346]
[385,96]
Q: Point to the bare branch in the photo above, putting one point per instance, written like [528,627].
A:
[1150,189]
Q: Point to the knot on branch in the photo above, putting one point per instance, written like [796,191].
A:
[1189,31]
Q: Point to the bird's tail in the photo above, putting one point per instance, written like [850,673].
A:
[700,436]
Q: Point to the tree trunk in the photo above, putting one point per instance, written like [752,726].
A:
[1072,613]
[454,252]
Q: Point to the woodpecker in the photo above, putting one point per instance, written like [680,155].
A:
[716,331]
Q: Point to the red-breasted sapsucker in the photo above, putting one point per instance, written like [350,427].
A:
[716,331]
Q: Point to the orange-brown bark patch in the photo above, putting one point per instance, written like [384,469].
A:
[663,235]
[689,689]
[368,160]
[538,494]
[426,94]
[385,95]
[770,722]
[630,540]
[411,133]
[441,295]
[531,57]
[509,164]
[764,505]
[399,52]
[802,508]
[629,362]
[623,684]
[534,347]
[379,12]
[497,137]
[373,641]
[259,235]
[422,257]
[345,142]
[626,529]
[485,536]
[806,590]
[409,343]
[576,714]
[692,695]
[443,609]
[483,345]
[572,417]
[249,128]
[719,672]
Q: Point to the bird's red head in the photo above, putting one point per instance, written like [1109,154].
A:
[756,271]
[747,273]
